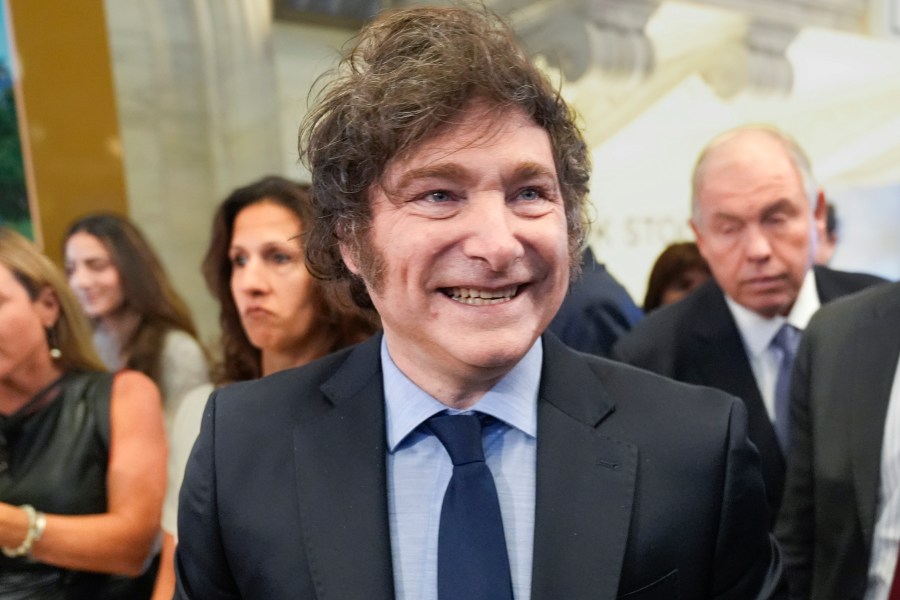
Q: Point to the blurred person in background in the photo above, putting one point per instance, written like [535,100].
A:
[82,451]
[678,270]
[596,311]
[755,205]
[273,313]
[140,321]
[840,519]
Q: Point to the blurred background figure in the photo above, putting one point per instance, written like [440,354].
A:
[839,521]
[274,315]
[755,203]
[140,321]
[677,271]
[826,235]
[596,311]
[82,451]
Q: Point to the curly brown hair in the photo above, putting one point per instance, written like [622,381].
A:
[412,73]
[242,360]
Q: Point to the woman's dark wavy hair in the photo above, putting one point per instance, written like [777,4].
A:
[671,265]
[146,290]
[240,359]
[413,72]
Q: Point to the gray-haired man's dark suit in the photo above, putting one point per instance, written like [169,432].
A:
[697,341]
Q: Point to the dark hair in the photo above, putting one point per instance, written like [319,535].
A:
[831,220]
[413,72]
[146,290]
[241,359]
[676,260]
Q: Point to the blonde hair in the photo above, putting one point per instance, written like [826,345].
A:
[71,333]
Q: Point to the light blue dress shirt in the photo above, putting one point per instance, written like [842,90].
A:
[419,469]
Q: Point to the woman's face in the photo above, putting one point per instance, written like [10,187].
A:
[93,276]
[23,325]
[684,285]
[269,281]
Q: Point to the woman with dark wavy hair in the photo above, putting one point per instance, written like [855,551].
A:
[274,314]
[140,321]
[678,270]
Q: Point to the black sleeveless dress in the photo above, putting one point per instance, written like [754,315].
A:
[54,456]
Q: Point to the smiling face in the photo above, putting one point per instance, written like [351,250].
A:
[468,256]
[754,223]
[271,286]
[93,276]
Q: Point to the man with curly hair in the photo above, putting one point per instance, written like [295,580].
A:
[450,181]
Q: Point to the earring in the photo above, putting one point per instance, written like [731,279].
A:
[55,353]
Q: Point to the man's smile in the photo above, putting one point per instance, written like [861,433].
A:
[479,297]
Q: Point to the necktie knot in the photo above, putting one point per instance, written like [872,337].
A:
[787,339]
[461,437]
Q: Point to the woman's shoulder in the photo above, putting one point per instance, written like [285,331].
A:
[180,343]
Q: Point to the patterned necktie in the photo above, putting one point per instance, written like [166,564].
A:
[472,560]
[786,341]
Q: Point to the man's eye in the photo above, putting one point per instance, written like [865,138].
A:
[530,194]
[437,196]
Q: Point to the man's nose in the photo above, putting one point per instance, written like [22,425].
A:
[757,245]
[492,232]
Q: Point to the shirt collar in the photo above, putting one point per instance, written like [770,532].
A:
[757,331]
[512,400]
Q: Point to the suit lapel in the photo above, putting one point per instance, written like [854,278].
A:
[582,509]
[722,359]
[872,360]
[342,483]
[718,356]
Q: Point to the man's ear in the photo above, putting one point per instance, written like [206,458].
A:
[47,306]
[820,210]
[350,256]
[698,236]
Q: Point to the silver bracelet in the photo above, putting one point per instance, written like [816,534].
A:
[37,521]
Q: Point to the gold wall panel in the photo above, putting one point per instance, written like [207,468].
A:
[71,132]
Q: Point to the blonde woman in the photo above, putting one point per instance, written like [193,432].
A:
[82,451]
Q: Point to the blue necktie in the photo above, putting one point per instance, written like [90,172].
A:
[472,560]
[786,340]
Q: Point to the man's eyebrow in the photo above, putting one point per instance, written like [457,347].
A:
[441,171]
[532,170]
[526,170]
[782,205]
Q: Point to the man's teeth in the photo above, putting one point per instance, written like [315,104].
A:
[480,297]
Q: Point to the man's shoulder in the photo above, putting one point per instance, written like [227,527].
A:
[833,284]
[665,328]
[637,390]
[847,311]
[301,389]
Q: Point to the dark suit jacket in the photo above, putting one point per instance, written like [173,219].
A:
[596,311]
[840,390]
[697,341]
[646,488]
